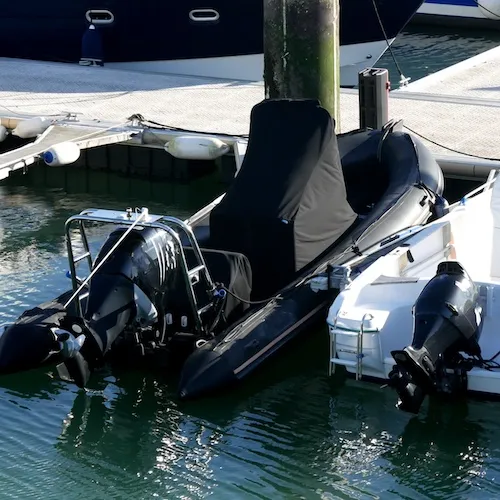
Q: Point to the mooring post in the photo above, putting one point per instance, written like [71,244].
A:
[373,97]
[301,51]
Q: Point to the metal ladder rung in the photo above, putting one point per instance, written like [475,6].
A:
[348,351]
[358,363]
[196,270]
[348,333]
[81,257]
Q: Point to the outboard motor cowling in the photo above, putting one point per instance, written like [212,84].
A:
[136,302]
[447,321]
[127,291]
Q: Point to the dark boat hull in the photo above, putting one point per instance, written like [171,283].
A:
[155,30]
[223,362]
[243,347]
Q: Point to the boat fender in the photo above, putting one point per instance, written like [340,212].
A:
[3,133]
[191,147]
[92,48]
[490,9]
[61,154]
[31,127]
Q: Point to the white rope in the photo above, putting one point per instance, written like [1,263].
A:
[143,214]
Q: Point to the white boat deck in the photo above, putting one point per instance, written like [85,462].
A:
[458,107]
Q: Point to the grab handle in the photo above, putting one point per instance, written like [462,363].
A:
[99,16]
[204,15]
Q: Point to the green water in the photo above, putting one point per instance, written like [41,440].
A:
[289,432]
[420,51]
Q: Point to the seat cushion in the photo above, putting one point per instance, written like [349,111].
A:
[231,269]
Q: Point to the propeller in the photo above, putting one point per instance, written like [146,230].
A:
[74,368]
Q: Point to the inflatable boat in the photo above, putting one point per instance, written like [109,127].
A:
[424,318]
[213,296]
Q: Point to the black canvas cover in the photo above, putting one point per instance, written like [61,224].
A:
[288,202]
[232,270]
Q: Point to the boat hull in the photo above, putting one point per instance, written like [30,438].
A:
[459,13]
[242,348]
[162,32]
[223,362]
[353,59]
[387,292]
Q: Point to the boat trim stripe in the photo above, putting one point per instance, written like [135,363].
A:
[280,337]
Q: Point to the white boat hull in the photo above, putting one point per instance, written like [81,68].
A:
[467,13]
[372,316]
[445,10]
[353,59]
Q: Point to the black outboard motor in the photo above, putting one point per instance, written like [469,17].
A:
[130,290]
[127,298]
[447,321]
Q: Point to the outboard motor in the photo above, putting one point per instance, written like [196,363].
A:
[126,301]
[129,291]
[447,322]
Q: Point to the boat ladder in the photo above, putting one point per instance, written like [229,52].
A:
[172,225]
[334,331]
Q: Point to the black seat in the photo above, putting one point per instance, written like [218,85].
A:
[231,269]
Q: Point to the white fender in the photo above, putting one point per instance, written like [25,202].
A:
[192,147]
[490,9]
[63,153]
[31,127]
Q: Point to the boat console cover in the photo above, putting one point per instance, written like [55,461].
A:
[288,203]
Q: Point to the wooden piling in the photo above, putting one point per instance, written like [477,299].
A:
[301,51]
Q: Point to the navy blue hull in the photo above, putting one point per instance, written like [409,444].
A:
[160,30]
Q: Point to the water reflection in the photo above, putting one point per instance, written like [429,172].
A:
[271,445]
[289,433]
[447,445]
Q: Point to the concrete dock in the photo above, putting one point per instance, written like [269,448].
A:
[458,107]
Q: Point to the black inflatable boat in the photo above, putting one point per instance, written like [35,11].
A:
[216,295]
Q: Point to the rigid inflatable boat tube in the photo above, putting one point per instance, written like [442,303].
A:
[240,350]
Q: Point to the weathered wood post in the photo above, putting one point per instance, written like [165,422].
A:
[301,51]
